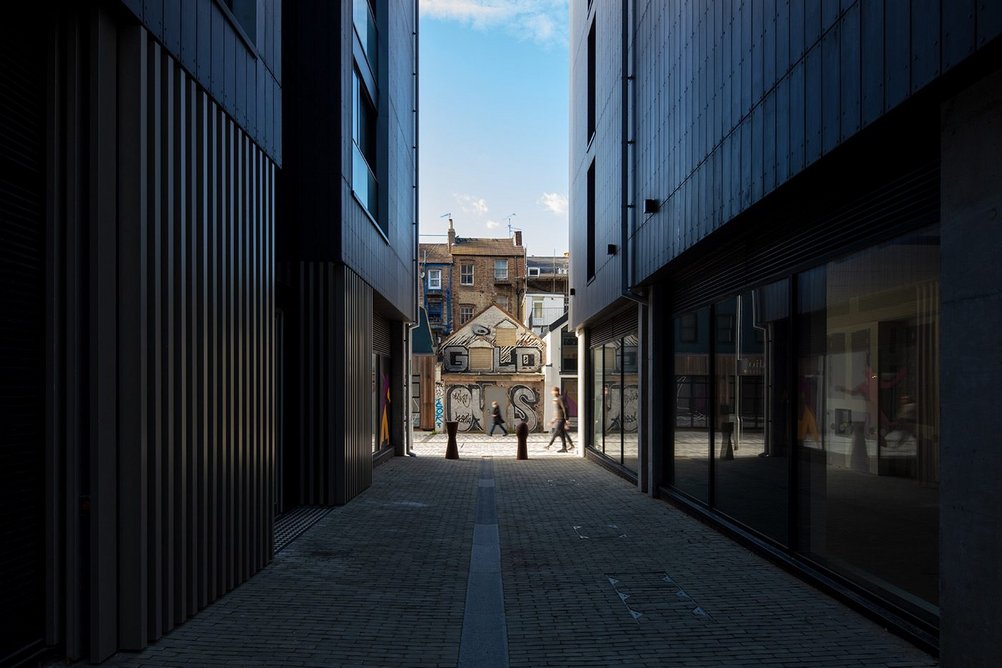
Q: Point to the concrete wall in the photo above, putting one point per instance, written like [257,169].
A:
[971,460]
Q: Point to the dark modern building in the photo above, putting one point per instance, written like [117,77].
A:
[785,268]
[150,341]
[346,244]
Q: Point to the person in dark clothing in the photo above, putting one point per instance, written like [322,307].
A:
[498,420]
[560,423]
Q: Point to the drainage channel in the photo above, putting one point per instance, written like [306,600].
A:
[291,525]
[484,642]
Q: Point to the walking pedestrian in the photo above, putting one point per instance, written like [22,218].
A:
[560,423]
[498,420]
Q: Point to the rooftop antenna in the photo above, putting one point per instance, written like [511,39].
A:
[509,223]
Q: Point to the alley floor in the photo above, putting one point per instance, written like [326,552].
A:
[571,567]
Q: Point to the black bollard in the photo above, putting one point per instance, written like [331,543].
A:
[522,434]
[452,450]
[727,432]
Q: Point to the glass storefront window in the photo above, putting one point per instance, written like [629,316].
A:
[692,405]
[868,416]
[752,440]
[630,397]
[598,400]
[381,402]
[616,400]
[611,392]
[853,383]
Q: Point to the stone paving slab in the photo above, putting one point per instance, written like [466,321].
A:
[382,581]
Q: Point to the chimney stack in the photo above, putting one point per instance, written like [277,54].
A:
[452,234]
[518,237]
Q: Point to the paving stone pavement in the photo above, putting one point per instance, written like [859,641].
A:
[594,574]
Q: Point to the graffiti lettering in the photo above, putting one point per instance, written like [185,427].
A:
[456,358]
[439,407]
[625,418]
[524,400]
[504,360]
[463,405]
[530,359]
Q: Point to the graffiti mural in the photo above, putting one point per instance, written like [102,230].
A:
[525,404]
[439,407]
[621,415]
[466,405]
[513,348]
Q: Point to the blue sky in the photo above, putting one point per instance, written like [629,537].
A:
[493,105]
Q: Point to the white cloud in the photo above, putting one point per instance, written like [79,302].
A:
[555,203]
[492,224]
[543,21]
[470,204]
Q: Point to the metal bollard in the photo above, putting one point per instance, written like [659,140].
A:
[522,434]
[727,432]
[452,450]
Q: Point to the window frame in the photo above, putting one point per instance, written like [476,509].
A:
[463,274]
[498,276]
[434,279]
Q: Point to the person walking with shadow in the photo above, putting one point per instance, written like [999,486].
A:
[560,423]
[498,420]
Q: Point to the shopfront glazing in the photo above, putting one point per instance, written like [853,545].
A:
[615,400]
[837,368]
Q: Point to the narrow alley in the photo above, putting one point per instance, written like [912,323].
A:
[594,573]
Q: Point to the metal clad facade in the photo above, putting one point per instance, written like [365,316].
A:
[161,418]
[735,99]
[209,222]
[334,419]
[207,41]
[22,333]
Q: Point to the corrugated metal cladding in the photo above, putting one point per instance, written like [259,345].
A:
[615,327]
[334,462]
[22,333]
[162,364]
[242,72]
[908,202]
[380,334]
[210,342]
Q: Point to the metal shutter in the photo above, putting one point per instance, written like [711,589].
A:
[617,326]
[380,334]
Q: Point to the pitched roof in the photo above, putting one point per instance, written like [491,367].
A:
[484,326]
[434,253]
[501,247]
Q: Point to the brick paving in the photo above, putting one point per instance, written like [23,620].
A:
[594,574]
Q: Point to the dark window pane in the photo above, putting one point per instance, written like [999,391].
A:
[691,409]
[868,417]
[752,390]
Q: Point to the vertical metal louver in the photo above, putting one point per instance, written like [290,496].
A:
[22,332]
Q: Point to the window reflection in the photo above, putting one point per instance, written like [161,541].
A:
[752,441]
[868,422]
[598,400]
[630,398]
[692,409]
[616,400]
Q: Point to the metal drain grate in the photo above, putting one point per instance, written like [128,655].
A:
[292,524]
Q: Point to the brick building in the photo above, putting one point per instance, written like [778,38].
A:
[466,275]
